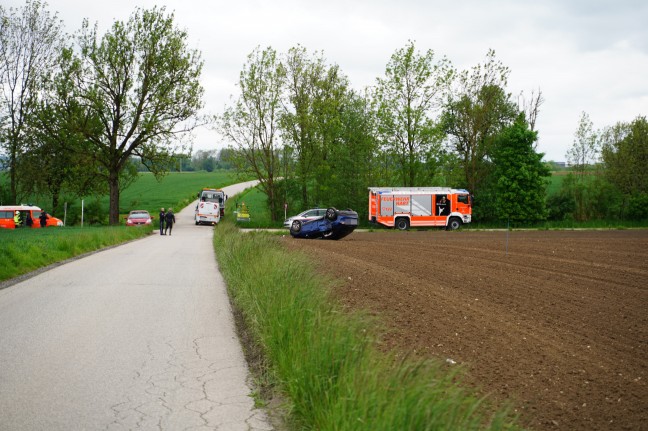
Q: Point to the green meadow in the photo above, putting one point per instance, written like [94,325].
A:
[176,189]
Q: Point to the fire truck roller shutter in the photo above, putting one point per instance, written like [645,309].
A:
[422,205]
[402,204]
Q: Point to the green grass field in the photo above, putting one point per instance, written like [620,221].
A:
[555,183]
[176,189]
[257,203]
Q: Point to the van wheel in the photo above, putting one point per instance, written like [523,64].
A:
[331,214]
[454,224]
[296,226]
[402,223]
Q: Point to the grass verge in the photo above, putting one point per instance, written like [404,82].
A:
[325,362]
[25,250]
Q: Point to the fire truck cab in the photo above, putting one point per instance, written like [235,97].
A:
[402,207]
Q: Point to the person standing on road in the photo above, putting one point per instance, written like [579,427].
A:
[170,219]
[162,215]
[43,219]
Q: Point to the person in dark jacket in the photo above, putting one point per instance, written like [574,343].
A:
[43,219]
[29,221]
[162,215]
[169,217]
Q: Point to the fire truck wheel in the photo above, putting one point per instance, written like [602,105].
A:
[454,224]
[296,226]
[331,214]
[402,223]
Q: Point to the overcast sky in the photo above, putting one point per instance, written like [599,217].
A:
[584,55]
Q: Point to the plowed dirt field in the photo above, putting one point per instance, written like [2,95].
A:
[554,321]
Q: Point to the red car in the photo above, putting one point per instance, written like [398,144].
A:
[138,218]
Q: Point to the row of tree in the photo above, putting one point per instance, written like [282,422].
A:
[75,110]
[311,139]
[82,114]
[608,179]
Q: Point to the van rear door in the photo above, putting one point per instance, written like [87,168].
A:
[7,219]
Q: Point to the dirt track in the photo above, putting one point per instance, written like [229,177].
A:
[558,325]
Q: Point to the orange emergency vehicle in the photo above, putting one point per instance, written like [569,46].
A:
[402,207]
[10,213]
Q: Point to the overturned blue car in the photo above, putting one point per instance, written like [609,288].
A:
[335,224]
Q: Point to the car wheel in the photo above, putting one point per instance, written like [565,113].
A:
[296,226]
[331,214]
[402,223]
[454,224]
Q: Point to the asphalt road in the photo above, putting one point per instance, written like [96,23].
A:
[137,337]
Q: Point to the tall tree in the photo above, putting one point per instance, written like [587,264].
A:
[142,82]
[582,156]
[406,99]
[584,150]
[297,122]
[625,158]
[251,123]
[476,111]
[351,156]
[30,39]
[531,106]
[58,157]
[519,174]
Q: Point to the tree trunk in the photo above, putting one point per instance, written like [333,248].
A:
[55,204]
[113,183]
[12,178]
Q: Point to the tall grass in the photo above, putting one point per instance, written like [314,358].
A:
[326,361]
[25,250]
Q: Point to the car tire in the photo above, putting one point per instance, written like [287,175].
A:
[454,223]
[296,226]
[331,214]
[402,223]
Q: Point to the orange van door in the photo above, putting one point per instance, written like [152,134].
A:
[7,219]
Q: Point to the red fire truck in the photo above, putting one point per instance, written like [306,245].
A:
[402,207]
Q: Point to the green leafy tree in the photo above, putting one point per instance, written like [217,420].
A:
[582,157]
[625,158]
[477,110]
[312,92]
[30,39]
[141,81]
[583,153]
[407,98]
[205,160]
[252,122]
[58,157]
[519,174]
[351,157]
